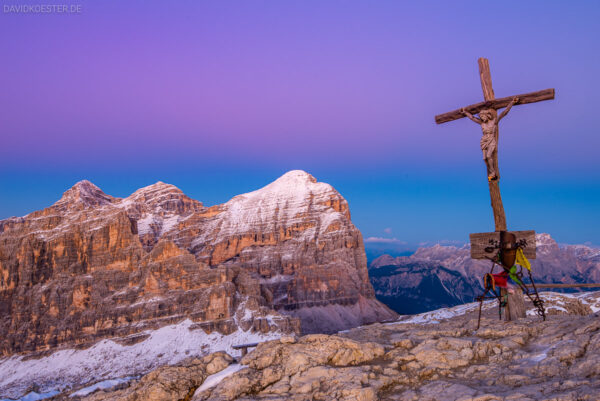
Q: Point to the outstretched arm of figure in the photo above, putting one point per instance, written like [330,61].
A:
[471,116]
[507,109]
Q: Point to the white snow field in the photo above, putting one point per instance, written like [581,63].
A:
[103,385]
[106,360]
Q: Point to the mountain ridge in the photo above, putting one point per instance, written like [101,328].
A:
[93,266]
[570,264]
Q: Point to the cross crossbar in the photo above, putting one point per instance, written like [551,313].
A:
[531,97]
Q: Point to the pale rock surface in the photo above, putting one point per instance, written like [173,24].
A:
[168,382]
[445,360]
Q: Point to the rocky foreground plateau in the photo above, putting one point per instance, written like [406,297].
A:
[433,356]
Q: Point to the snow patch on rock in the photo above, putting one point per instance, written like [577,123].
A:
[107,359]
[435,316]
[216,378]
[103,385]
[33,396]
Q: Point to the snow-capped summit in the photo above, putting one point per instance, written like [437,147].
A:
[85,193]
[545,244]
[295,183]
[295,198]
[157,209]
[156,188]
[161,199]
[296,177]
[436,252]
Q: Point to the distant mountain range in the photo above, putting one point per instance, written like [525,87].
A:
[442,276]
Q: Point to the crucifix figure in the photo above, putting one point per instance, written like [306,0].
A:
[488,119]
[500,246]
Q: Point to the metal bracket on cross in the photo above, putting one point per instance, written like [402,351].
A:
[501,248]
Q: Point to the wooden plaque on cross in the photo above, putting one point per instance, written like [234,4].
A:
[487,245]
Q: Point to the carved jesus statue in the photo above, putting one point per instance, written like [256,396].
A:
[489,119]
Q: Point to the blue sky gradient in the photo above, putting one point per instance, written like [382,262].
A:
[220,98]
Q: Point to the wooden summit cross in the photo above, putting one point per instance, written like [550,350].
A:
[501,242]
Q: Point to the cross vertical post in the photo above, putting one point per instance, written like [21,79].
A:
[494,185]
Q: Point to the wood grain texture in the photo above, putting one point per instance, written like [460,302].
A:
[497,206]
[524,98]
[515,309]
[480,241]
[486,79]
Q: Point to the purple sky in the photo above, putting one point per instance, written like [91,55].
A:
[222,97]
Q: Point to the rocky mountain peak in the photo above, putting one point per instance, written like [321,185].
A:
[295,184]
[544,239]
[161,198]
[435,252]
[585,252]
[296,176]
[545,244]
[294,199]
[383,260]
[155,190]
[85,193]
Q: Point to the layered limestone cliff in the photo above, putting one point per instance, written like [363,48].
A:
[94,266]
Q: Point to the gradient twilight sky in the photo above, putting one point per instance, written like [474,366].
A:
[222,97]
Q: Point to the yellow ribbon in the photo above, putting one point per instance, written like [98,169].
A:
[522,260]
